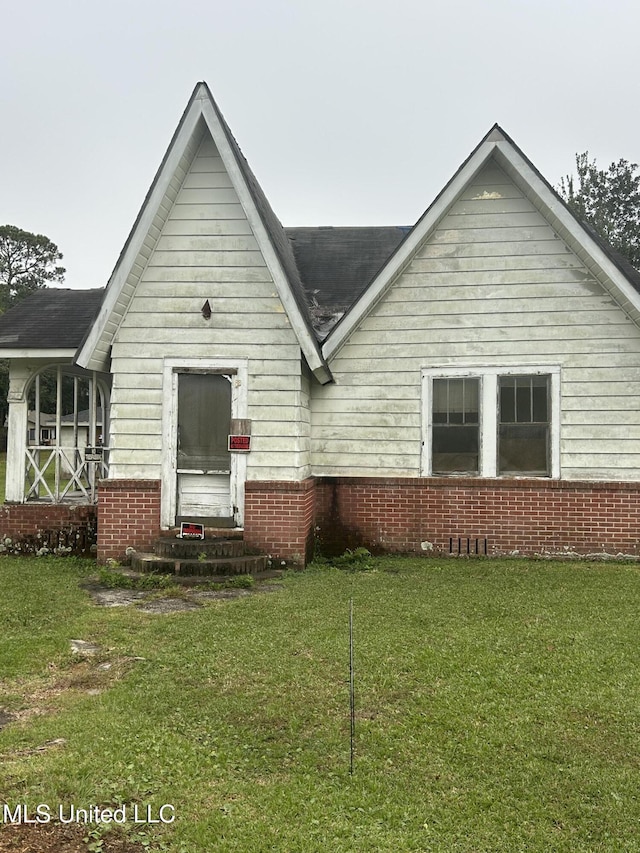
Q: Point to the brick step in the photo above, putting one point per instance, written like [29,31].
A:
[196,567]
[192,548]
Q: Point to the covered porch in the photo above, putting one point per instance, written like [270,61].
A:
[58,418]
[56,413]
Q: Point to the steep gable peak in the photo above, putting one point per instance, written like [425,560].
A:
[201,116]
[496,134]
[497,146]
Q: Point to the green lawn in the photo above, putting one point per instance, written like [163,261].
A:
[498,708]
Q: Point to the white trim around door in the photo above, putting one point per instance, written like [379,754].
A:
[237,370]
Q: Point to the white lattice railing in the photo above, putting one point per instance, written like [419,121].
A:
[56,474]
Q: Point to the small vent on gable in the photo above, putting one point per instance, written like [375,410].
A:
[206,310]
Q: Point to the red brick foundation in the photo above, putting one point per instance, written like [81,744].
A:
[445,515]
[128,516]
[18,520]
[407,515]
[279,518]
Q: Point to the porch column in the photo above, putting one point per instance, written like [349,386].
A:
[17,424]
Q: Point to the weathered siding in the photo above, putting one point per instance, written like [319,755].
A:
[205,250]
[493,285]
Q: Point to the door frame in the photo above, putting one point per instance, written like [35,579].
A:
[172,367]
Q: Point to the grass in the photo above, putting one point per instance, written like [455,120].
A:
[497,708]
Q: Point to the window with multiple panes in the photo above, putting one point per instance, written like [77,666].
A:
[523,425]
[456,425]
[496,422]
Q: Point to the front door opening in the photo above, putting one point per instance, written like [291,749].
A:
[203,458]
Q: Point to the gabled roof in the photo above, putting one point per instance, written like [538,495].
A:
[203,110]
[49,322]
[328,278]
[614,273]
[82,418]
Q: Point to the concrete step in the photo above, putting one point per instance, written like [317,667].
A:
[199,567]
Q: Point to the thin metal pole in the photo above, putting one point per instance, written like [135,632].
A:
[36,435]
[352,704]
[58,431]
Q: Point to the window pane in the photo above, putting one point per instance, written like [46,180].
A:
[507,400]
[523,400]
[456,400]
[440,396]
[455,449]
[471,404]
[540,400]
[523,449]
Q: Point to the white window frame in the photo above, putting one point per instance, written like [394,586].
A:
[488,415]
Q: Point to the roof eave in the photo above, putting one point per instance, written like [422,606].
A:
[569,227]
[88,355]
[50,353]
[304,333]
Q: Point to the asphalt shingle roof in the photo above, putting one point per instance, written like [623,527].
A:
[337,264]
[51,318]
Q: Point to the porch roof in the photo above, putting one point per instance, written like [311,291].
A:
[51,320]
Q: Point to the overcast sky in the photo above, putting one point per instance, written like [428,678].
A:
[350,112]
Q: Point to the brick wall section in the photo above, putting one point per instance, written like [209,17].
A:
[128,516]
[383,514]
[279,518]
[18,520]
[526,516]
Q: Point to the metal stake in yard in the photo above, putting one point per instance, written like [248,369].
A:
[352,703]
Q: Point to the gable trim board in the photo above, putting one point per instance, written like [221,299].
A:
[499,145]
[94,352]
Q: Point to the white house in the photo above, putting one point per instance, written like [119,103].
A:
[469,384]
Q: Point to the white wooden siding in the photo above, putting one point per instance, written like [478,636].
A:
[205,250]
[493,285]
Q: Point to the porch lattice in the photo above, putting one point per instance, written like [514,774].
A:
[57,474]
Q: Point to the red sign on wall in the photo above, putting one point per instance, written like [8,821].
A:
[240,443]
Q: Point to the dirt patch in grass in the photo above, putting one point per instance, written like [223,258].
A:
[59,838]
[156,601]
[5,718]
[39,696]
